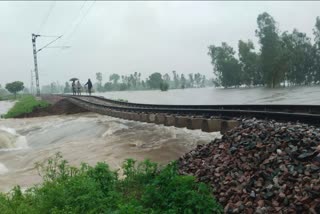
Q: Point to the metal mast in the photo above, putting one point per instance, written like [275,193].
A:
[34,37]
[31,87]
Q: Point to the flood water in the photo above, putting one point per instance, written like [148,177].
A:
[212,96]
[91,137]
[87,138]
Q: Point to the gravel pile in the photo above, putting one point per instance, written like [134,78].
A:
[261,167]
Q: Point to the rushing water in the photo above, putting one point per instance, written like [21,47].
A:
[87,138]
[211,96]
[91,137]
[5,106]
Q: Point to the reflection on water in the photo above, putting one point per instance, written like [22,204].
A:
[212,96]
[86,138]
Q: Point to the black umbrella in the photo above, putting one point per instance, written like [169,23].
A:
[73,79]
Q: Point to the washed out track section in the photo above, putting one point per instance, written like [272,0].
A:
[172,117]
[208,118]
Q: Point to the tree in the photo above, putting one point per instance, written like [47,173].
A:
[299,51]
[166,77]
[115,78]
[249,61]
[164,86]
[15,87]
[191,80]
[183,81]
[175,79]
[272,57]
[154,80]
[67,88]
[316,50]
[225,66]
[99,79]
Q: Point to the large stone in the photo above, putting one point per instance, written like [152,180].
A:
[181,121]
[211,125]
[195,123]
[170,120]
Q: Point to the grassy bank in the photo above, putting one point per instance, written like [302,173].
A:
[144,189]
[25,104]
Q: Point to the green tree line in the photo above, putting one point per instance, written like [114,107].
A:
[287,58]
[154,81]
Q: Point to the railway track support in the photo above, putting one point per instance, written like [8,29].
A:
[211,125]
[194,123]
[170,120]
[181,121]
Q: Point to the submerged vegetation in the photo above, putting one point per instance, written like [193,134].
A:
[26,104]
[289,58]
[144,189]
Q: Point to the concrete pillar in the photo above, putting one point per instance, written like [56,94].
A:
[211,125]
[120,114]
[181,121]
[126,115]
[160,118]
[117,114]
[227,125]
[195,123]
[170,120]
[136,117]
[143,117]
[151,118]
[131,116]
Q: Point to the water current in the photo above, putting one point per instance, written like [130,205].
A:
[91,137]
[87,138]
[212,96]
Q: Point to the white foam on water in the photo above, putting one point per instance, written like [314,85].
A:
[3,169]
[10,140]
[115,127]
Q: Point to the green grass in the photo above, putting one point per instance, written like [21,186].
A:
[144,189]
[25,104]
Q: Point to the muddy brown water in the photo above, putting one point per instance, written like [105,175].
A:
[86,137]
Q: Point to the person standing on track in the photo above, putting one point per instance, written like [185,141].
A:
[73,88]
[89,83]
[79,87]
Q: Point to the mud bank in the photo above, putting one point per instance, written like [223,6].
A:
[58,106]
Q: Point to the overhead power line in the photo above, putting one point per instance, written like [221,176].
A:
[49,43]
[47,16]
[80,21]
[74,18]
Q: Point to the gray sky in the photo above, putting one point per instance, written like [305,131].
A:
[126,37]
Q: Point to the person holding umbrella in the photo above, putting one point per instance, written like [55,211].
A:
[89,83]
[74,91]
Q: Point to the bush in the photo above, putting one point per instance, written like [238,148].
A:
[164,86]
[25,105]
[144,189]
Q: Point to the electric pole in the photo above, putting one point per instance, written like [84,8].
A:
[31,87]
[35,51]
[34,37]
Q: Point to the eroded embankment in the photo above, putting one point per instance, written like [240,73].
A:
[58,106]
[261,167]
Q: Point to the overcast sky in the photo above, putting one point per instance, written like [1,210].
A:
[126,37]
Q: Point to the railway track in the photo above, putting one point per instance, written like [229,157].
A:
[303,113]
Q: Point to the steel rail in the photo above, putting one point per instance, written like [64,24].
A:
[206,111]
